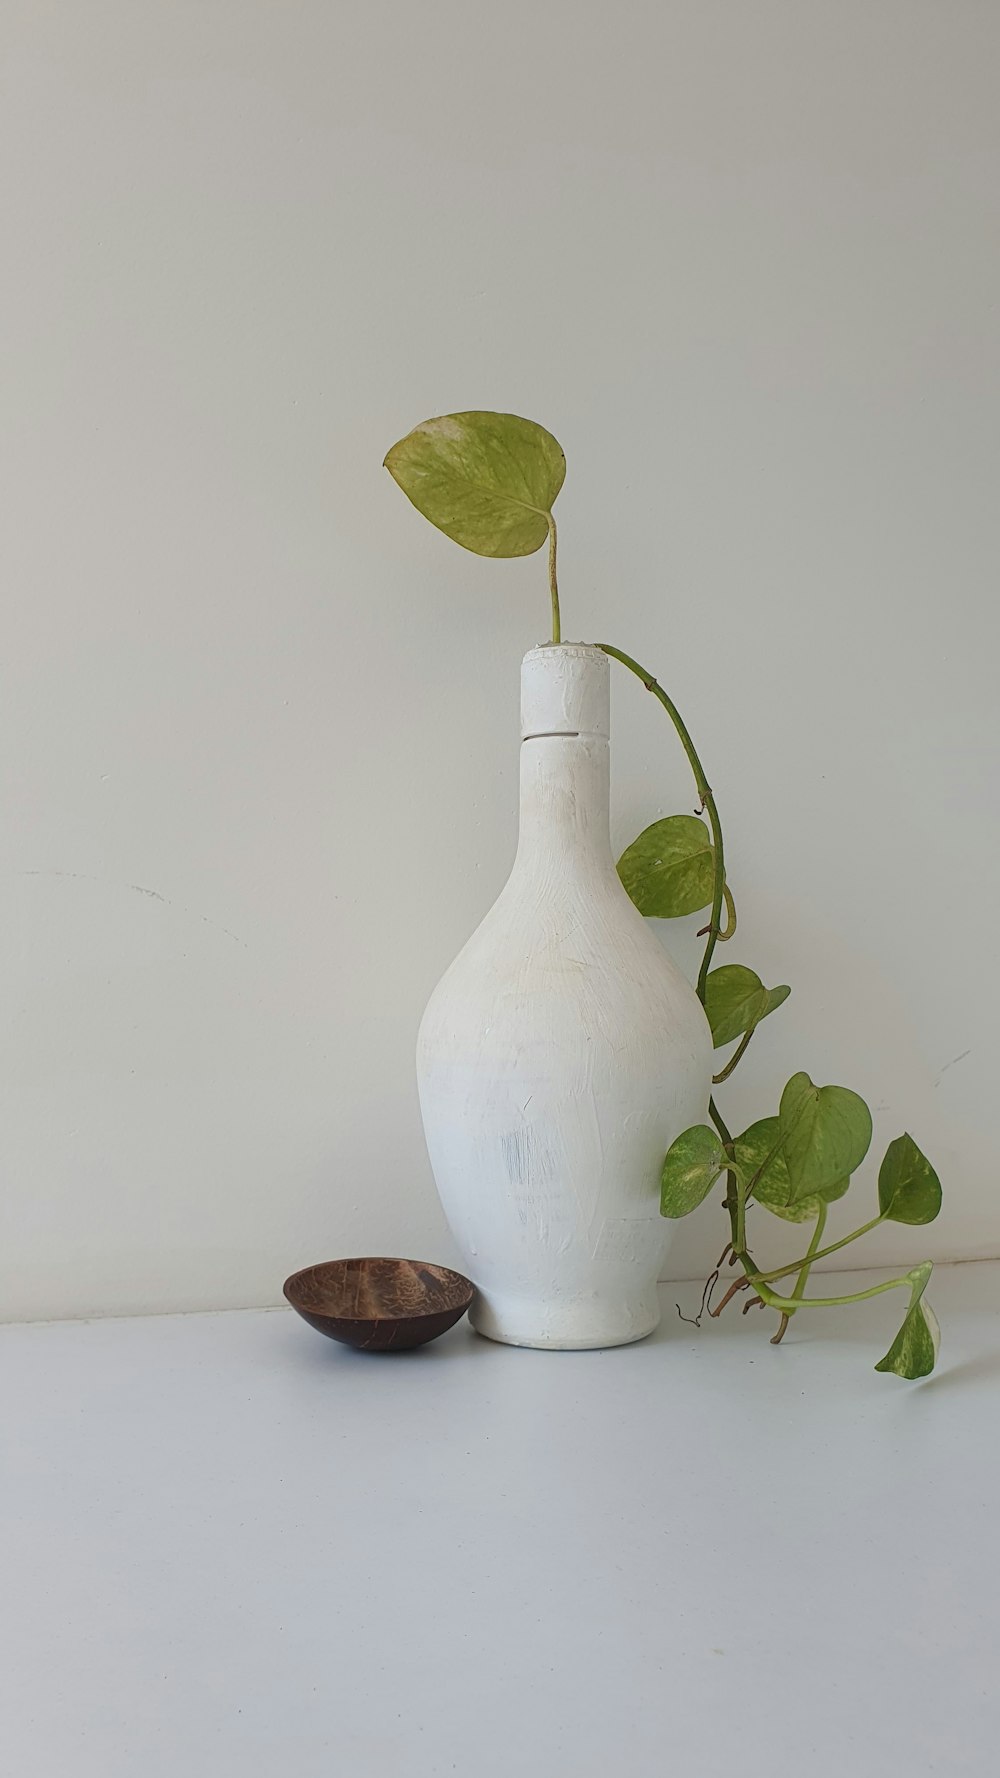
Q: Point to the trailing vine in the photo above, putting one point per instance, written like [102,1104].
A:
[489,481]
[797,1163]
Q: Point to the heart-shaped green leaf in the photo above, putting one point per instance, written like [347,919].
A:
[486,480]
[914,1351]
[908,1187]
[825,1135]
[736,1000]
[693,1164]
[757,1149]
[670,869]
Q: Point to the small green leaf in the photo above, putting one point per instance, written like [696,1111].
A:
[774,1188]
[914,1351]
[825,1135]
[669,870]
[486,480]
[736,1000]
[693,1164]
[908,1187]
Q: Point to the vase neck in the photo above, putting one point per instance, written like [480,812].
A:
[565,769]
[564,824]
[565,690]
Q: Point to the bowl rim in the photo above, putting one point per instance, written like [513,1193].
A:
[365,1259]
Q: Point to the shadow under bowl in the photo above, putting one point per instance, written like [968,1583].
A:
[379,1305]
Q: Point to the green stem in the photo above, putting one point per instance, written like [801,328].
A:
[817,1236]
[790,1304]
[834,1247]
[707,800]
[716,1117]
[731,1179]
[740,1219]
[553,583]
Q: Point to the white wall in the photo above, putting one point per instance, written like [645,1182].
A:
[258,719]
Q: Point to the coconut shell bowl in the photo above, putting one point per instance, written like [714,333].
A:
[379,1305]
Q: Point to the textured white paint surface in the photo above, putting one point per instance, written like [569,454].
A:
[561,1052]
[258,720]
[229,1547]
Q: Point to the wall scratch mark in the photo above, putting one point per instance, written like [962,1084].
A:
[951,1064]
[79,876]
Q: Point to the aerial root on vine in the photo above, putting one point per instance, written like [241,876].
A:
[777,1338]
[710,1282]
[730,926]
[738,1284]
[756,1302]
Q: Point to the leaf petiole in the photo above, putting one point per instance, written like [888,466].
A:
[834,1246]
[553,583]
[811,1251]
[789,1304]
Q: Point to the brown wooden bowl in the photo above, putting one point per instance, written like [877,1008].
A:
[379,1305]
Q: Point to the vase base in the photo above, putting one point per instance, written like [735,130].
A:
[572,1331]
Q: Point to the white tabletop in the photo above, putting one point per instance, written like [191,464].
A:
[230,1547]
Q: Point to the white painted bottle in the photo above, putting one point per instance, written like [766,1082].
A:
[561,1053]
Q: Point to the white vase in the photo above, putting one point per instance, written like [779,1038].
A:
[561,1053]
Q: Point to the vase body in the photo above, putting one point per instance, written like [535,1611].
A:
[561,1053]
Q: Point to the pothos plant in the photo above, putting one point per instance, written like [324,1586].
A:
[490,481]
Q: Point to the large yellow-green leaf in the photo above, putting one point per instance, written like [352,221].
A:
[825,1135]
[669,870]
[486,480]
[736,1000]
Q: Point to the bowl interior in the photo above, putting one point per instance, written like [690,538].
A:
[378,1289]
